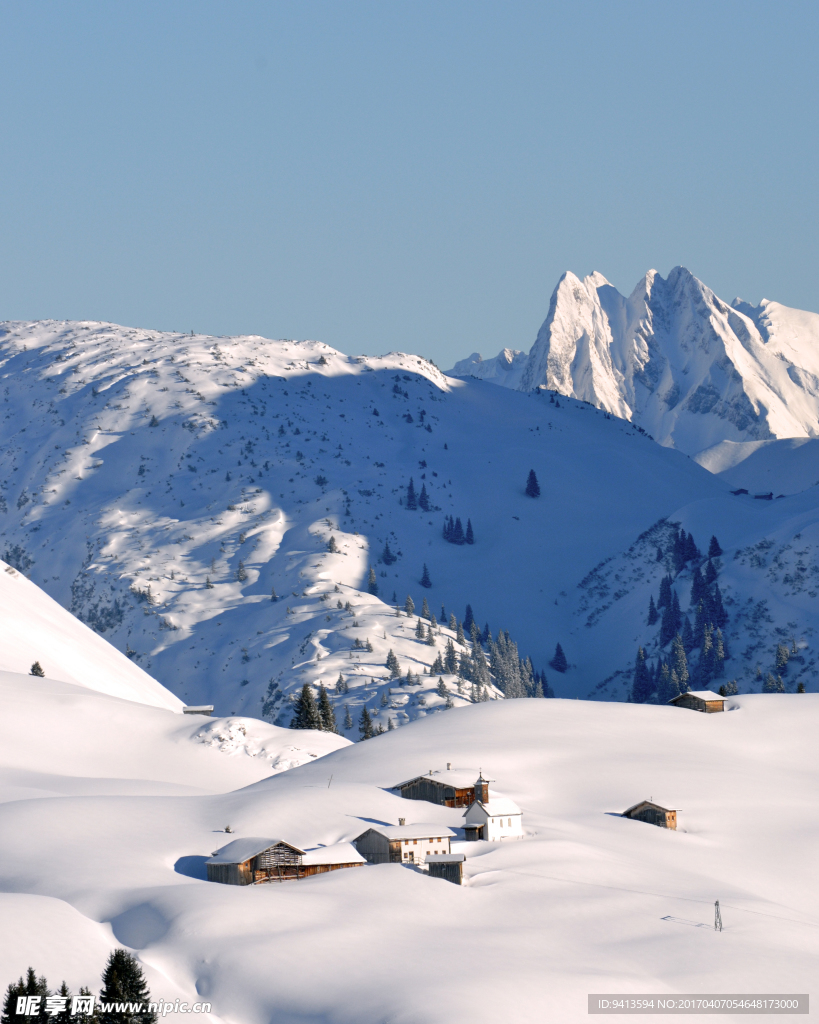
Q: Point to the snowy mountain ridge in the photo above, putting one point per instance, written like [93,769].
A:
[674,358]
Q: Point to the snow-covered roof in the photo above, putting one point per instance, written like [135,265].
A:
[496,805]
[460,778]
[240,850]
[445,858]
[651,803]
[702,694]
[338,853]
[420,830]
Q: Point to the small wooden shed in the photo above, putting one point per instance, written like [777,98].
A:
[403,844]
[451,787]
[449,866]
[653,814]
[699,700]
[252,860]
[331,858]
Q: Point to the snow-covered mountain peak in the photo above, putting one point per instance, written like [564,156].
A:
[673,357]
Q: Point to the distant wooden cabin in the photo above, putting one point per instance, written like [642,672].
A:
[653,814]
[449,866]
[451,787]
[699,700]
[403,844]
[496,818]
[254,860]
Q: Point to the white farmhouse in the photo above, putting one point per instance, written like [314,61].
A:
[496,818]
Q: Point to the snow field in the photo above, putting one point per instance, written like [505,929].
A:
[589,901]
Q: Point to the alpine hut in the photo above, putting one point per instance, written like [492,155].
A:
[330,858]
[449,866]
[251,860]
[403,844]
[452,787]
[653,814]
[699,700]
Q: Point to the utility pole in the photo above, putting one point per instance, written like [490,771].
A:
[717,917]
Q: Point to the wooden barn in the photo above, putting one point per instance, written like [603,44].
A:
[451,787]
[699,700]
[496,818]
[330,858]
[653,814]
[449,866]
[403,844]
[253,861]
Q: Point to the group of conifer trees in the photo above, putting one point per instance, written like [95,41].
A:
[414,501]
[455,533]
[122,983]
[309,713]
[671,674]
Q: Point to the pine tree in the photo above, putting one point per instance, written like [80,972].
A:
[458,532]
[425,580]
[420,632]
[392,665]
[273,595]
[781,660]
[409,606]
[208,584]
[705,669]
[642,686]
[710,573]
[697,588]
[306,712]
[365,724]
[372,582]
[124,982]
[558,662]
[423,499]
[679,663]
[800,688]
[719,653]
[687,634]
[469,618]
[450,658]
[773,684]
[486,635]
[653,614]
[430,640]
[690,550]
[676,614]
[37,670]
[470,536]
[453,622]
[241,572]
[30,986]
[425,612]
[387,557]
[341,685]
[665,592]
[348,718]
[667,626]
[442,690]
[719,615]
[325,709]
[532,486]
[714,550]
[331,545]
[412,501]
[459,635]
[667,688]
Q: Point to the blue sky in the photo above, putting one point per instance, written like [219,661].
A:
[399,175]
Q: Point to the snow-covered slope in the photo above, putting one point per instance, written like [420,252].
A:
[587,902]
[785,466]
[67,739]
[689,368]
[37,629]
[161,486]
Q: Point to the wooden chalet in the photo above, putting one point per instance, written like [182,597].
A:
[255,860]
[403,844]
[452,787]
[653,814]
[449,866]
[699,700]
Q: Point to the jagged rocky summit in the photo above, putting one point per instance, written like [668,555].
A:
[674,358]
